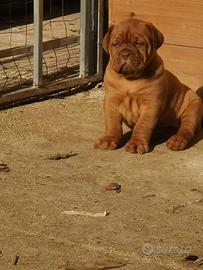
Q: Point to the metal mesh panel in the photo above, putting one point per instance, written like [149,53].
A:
[62,33]
[60,36]
[68,56]
[16,39]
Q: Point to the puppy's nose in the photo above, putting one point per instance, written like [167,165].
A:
[125,55]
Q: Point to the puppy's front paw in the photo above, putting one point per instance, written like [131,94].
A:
[107,143]
[137,146]
[177,142]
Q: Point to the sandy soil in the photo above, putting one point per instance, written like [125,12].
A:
[153,223]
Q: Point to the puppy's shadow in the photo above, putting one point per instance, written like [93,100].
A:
[125,138]
[161,135]
[197,138]
[200,92]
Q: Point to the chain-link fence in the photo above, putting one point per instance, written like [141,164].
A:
[48,43]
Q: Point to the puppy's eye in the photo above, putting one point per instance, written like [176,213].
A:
[116,44]
[139,44]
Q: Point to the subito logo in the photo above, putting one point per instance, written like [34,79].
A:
[147,249]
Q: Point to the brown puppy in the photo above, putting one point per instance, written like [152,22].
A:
[141,93]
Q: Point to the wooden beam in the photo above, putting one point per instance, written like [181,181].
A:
[47,46]
[46,89]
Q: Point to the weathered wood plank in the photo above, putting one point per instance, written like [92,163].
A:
[185,63]
[46,89]
[180,21]
[47,45]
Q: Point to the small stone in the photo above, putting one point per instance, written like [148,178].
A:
[114,186]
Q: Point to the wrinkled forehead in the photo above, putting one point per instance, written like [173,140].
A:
[130,29]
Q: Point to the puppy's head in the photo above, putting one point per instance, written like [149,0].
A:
[131,45]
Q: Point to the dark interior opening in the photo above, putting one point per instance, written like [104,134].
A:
[18,12]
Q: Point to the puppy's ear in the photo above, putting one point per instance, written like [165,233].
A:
[106,39]
[157,36]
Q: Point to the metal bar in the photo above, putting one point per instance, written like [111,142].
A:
[100,28]
[38,42]
[85,36]
[91,34]
[94,36]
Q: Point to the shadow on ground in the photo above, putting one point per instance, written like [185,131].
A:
[161,135]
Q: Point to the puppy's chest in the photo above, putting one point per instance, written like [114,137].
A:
[129,110]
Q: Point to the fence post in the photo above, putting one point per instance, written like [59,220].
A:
[38,43]
[85,36]
[100,29]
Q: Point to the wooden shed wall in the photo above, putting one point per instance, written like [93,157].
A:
[181,22]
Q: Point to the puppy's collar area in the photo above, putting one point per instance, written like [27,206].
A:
[153,65]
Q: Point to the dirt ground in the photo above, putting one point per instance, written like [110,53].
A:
[153,223]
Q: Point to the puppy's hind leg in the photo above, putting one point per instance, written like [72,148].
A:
[190,124]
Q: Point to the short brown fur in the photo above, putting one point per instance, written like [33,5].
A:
[142,93]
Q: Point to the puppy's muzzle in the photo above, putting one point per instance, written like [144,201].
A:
[128,61]
[125,54]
